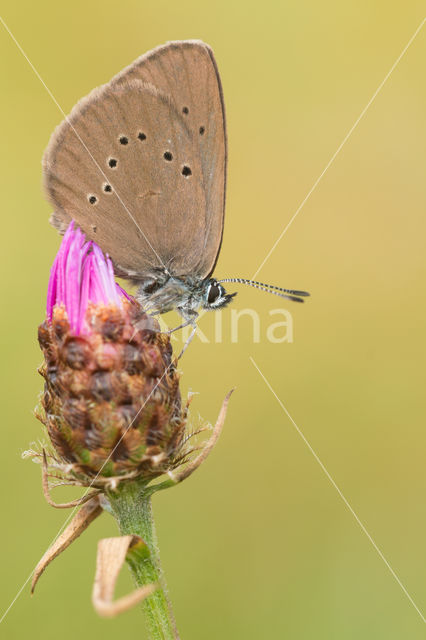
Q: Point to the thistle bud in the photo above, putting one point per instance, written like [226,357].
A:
[111,401]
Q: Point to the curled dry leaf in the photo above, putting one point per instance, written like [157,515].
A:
[175,478]
[84,516]
[112,553]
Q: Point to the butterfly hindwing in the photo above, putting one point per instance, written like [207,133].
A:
[140,164]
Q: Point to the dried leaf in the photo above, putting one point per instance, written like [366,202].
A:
[112,553]
[194,464]
[78,524]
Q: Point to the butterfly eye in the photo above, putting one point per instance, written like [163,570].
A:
[214,293]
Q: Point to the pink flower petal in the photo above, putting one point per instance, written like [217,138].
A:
[80,275]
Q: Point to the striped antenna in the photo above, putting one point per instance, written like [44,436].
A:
[288,294]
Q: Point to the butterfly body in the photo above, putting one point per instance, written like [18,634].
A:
[163,292]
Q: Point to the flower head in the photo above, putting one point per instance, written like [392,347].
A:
[112,409]
[111,402]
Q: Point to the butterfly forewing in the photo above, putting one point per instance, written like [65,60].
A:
[140,164]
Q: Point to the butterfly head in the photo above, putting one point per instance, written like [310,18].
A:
[215,296]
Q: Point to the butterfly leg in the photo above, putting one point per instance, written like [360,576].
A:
[181,326]
[187,343]
[190,317]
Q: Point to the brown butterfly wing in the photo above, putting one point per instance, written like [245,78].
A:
[161,203]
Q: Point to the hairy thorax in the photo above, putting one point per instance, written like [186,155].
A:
[162,294]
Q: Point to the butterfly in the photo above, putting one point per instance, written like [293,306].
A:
[140,166]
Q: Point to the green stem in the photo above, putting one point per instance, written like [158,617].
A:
[131,506]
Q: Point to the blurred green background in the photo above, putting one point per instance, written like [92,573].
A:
[257,544]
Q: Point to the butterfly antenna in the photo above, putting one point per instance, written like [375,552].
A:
[288,294]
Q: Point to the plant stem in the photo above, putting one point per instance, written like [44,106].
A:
[131,506]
